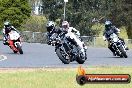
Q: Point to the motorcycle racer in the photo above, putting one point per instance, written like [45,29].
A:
[7,28]
[71,35]
[109,29]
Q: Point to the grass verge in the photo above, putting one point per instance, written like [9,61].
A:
[56,78]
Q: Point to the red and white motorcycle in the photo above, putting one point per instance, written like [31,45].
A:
[14,42]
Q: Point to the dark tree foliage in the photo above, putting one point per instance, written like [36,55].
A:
[14,11]
[80,13]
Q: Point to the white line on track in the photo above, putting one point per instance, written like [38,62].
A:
[3,57]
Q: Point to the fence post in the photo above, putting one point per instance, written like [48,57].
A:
[33,36]
[94,39]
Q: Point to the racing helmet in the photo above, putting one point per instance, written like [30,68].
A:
[50,26]
[108,24]
[65,25]
[7,24]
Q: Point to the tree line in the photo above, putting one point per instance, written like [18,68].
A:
[82,14]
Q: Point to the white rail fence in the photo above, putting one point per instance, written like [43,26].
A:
[39,37]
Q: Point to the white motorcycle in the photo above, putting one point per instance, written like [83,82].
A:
[14,42]
[117,45]
[66,49]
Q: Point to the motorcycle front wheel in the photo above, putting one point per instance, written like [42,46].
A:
[19,49]
[61,56]
[81,58]
[123,53]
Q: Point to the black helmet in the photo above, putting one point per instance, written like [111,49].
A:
[50,26]
[108,24]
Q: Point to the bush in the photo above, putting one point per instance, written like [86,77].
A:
[98,28]
[35,24]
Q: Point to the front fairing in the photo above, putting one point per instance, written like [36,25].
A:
[114,38]
[13,35]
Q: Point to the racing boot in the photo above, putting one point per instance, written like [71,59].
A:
[113,51]
[5,42]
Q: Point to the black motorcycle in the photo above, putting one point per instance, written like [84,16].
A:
[117,45]
[67,50]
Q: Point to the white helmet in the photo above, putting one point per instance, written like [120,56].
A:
[6,24]
[108,24]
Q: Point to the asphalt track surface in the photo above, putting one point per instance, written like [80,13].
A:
[42,55]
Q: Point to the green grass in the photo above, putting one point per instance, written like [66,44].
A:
[57,78]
